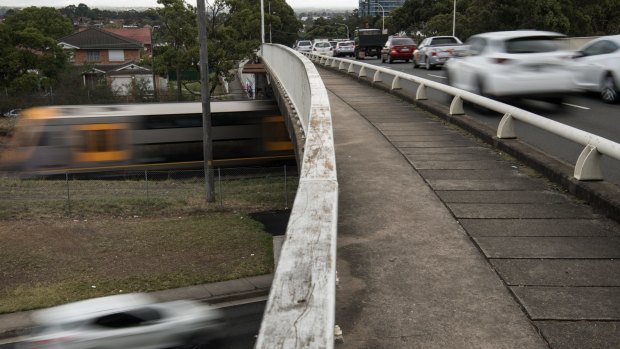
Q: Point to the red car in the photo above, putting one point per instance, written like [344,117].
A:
[398,48]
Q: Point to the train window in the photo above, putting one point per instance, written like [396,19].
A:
[102,142]
[173,121]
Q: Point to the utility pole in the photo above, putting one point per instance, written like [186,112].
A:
[207,139]
[454,19]
[270,22]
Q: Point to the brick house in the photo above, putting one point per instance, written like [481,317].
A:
[109,54]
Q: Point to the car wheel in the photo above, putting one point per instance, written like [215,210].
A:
[415,62]
[390,59]
[383,60]
[609,91]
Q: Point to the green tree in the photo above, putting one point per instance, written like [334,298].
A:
[233,34]
[29,52]
[47,20]
[179,34]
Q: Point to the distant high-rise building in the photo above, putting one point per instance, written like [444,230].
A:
[378,7]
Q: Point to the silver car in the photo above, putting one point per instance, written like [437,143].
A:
[344,48]
[597,67]
[123,321]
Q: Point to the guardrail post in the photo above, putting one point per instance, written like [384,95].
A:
[350,70]
[456,107]
[377,76]
[334,63]
[588,167]
[341,65]
[420,93]
[506,128]
[396,83]
[362,72]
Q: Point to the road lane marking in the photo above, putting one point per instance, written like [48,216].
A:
[576,106]
[436,76]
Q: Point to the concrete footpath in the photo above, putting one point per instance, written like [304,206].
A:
[445,243]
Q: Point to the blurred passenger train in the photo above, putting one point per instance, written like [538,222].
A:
[61,139]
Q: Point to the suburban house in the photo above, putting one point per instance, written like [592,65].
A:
[113,56]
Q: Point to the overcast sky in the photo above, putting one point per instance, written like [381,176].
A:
[351,4]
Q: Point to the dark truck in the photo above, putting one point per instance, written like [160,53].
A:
[368,42]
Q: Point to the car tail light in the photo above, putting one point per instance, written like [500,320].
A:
[433,52]
[500,60]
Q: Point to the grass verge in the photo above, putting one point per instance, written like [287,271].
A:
[111,238]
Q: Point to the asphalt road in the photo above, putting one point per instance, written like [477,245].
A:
[585,112]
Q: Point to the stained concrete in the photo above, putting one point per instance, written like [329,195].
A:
[447,243]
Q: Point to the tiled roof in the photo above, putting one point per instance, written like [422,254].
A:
[142,35]
[94,38]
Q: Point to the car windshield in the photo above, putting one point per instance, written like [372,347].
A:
[346,44]
[402,41]
[322,44]
[532,45]
[304,43]
[444,41]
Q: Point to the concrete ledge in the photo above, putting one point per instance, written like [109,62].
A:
[601,195]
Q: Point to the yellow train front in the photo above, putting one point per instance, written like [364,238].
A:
[69,139]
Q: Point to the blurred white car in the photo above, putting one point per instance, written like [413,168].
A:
[521,63]
[303,46]
[323,48]
[597,67]
[123,321]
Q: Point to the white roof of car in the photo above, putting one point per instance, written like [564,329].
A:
[614,38]
[87,308]
[504,35]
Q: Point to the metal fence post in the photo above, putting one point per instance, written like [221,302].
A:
[68,193]
[146,179]
[219,183]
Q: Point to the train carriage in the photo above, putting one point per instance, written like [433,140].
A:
[63,139]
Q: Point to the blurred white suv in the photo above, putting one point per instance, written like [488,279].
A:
[597,67]
[520,63]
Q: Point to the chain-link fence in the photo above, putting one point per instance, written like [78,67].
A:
[149,191]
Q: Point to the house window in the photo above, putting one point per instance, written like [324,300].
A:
[117,55]
[93,56]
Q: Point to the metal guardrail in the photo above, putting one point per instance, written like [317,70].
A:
[300,312]
[588,165]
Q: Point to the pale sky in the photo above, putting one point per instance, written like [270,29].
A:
[350,4]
